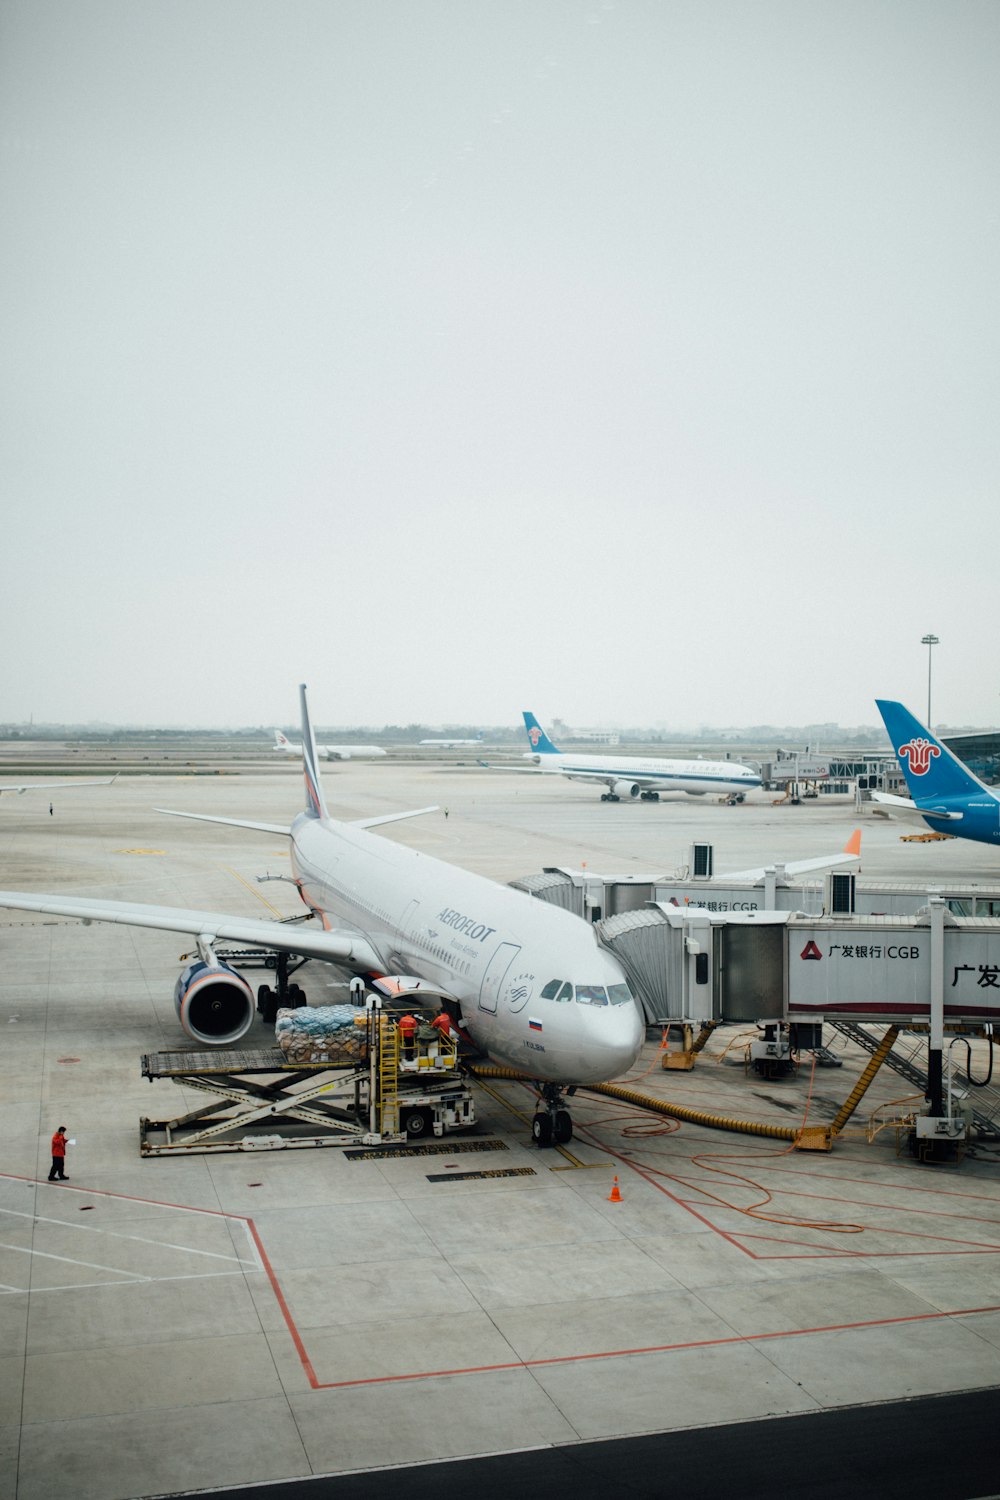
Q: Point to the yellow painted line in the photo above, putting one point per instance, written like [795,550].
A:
[254,892]
[140,851]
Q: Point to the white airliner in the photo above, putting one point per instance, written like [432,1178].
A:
[640,776]
[329,752]
[529,982]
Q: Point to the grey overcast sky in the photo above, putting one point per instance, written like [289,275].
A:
[630,360]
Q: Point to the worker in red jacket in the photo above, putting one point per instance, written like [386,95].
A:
[407,1028]
[58,1170]
[442,1024]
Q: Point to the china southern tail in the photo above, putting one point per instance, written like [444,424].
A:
[946,796]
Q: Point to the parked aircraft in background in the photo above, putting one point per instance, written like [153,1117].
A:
[33,785]
[452,744]
[629,777]
[528,981]
[329,752]
[945,795]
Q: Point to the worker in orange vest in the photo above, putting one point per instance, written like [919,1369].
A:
[407,1028]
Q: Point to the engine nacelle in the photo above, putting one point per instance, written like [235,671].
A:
[214,1004]
[625,789]
[337,754]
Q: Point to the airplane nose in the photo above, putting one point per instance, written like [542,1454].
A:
[622,1035]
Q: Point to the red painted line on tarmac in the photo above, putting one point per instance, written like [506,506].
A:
[787,1170]
[561,1359]
[647,1176]
[75,1187]
[730,1339]
[286,1313]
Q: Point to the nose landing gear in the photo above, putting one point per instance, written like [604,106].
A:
[553,1123]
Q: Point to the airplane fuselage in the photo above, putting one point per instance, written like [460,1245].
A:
[493,948]
[979,818]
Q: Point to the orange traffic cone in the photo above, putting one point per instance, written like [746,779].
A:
[615,1195]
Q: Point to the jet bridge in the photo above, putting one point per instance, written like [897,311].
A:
[692,965]
[789,973]
[698,954]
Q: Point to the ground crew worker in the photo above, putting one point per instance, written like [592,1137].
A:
[57,1172]
[407,1028]
[442,1025]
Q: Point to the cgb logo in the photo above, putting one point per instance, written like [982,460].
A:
[810,950]
[534,735]
[919,753]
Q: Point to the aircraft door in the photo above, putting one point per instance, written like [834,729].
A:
[496,972]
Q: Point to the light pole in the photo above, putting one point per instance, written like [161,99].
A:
[930,641]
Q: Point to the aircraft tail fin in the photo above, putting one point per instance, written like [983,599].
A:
[537,738]
[281,741]
[315,801]
[932,771]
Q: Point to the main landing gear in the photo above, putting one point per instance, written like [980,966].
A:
[553,1123]
[283,996]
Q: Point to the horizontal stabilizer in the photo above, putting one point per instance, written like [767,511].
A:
[280,828]
[903,807]
[416,812]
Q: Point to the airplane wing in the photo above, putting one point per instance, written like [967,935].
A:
[609,778]
[851,855]
[345,947]
[50,786]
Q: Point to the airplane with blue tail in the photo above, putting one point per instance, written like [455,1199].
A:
[946,796]
[644,777]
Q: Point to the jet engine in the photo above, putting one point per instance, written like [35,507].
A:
[625,789]
[214,1003]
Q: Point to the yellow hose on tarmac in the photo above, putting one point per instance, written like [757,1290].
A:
[661,1107]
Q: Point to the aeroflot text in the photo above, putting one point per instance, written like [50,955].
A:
[465,924]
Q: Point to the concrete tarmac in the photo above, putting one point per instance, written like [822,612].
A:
[183,1325]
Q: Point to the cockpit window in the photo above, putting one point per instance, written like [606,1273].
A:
[566,993]
[619,994]
[591,994]
[551,990]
